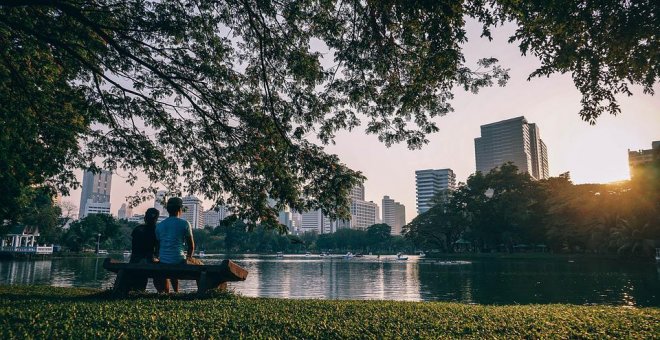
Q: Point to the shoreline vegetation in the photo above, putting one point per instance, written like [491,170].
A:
[54,312]
[428,257]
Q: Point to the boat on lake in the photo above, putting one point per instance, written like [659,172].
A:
[349,255]
[401,257]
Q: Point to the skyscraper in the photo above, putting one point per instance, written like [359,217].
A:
[316,221]
[363,214]
[95,195]
[429,183]
[394,215]
[357,192]
[512,140]
[214,216]
[159,202]
[642,162]
[193,212]
[125,212]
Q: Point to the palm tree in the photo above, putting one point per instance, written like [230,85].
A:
[631,236]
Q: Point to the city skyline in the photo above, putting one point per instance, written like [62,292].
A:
[591,153]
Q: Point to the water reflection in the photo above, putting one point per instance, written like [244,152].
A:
[491,281]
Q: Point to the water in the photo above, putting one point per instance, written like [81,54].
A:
[483,281]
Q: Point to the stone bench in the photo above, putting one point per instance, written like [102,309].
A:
[207,276]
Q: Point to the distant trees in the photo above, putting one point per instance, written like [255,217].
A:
[376,238]
[504,208]
[85,232]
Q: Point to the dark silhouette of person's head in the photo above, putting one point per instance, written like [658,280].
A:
[174,206]
[151,216]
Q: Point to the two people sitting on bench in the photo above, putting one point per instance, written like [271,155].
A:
[167,239]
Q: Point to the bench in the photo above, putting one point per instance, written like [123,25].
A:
[207,276]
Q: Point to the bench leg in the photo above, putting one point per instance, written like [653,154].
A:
[202,284]
[121,284]
[205,283]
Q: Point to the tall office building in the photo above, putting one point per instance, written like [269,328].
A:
[512,140]
[316,221]
[643,160]
[193,212]
[394,215]
[214,216]
[159,202]
[296,221]
[357,192]
[429,183]
[363,214]
[125,212]
[95,195]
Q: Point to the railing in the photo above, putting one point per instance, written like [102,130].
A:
[44,249]
[29,250]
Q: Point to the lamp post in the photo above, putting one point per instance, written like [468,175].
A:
[98,242]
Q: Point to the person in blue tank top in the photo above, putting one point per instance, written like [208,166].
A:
[174,235]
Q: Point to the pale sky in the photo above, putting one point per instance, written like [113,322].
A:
[592,154]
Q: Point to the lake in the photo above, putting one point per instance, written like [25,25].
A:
[483,281]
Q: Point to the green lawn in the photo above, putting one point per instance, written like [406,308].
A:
[47,312]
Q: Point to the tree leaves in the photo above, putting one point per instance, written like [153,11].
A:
[229,99]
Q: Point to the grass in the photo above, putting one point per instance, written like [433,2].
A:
[49,312]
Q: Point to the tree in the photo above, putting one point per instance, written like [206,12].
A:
[222,98]
[379,233]
[441,225]
[84,232]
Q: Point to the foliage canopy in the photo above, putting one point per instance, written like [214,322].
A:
[226,98]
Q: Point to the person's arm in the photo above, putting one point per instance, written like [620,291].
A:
[190,242]
[157,250]
[156,247]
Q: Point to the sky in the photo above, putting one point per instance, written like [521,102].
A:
[592,153]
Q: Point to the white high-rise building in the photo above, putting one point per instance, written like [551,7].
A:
[512,140]
[160,201]
[296,222]
[429,183]
[95,195]
[363,214]
[125,212]
[316,221]
[213,217]
[193,212]
[357,192]
[394,215]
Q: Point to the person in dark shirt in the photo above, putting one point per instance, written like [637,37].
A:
[144,247]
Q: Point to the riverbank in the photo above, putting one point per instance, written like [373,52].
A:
[50,312]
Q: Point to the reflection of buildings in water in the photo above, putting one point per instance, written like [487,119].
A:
[379,285]
[466,291]
[446,282]
[332,284]
[401,281]
[412,288]
[26,272]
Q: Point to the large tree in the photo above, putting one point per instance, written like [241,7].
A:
[228,98]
